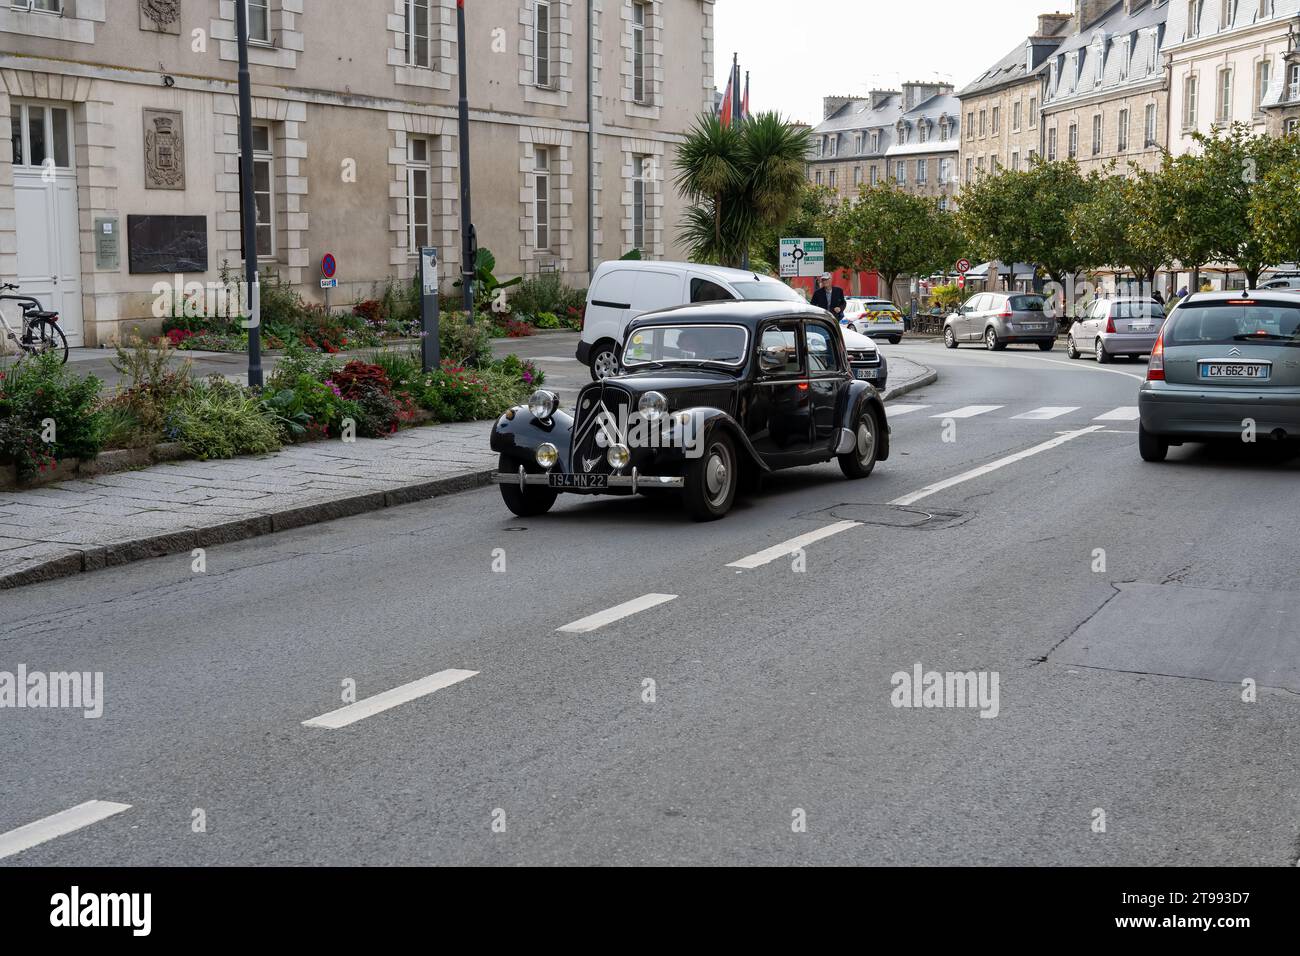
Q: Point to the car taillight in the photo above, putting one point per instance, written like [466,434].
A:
[1156,364]
[1110,326]
[1005,313]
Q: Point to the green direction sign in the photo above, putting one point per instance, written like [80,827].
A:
[802,257]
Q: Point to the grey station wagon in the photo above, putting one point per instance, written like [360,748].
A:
[1226,364]
[999,319]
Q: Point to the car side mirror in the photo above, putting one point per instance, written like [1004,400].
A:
[771,359]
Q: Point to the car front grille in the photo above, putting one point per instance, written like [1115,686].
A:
[599,406]
[869,359]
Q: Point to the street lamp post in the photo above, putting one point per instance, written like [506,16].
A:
[248,211]
[468,242]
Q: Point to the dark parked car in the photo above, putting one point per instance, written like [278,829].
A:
[711,398]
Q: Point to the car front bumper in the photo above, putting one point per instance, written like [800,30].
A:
[633,482]
[1195,411]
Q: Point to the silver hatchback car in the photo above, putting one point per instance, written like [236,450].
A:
[1225,365]
[999,319]
[1114,326]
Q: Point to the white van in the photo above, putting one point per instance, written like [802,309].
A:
[622,290]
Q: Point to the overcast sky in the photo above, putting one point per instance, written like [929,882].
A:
[798,51]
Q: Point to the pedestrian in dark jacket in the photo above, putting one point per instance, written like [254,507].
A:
[829,297]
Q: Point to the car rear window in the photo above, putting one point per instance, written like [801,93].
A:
[1139,310]
[1221,323]
[1027,303]
[766,292]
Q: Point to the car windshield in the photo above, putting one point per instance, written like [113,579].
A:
[1138,310]
[770,291]
[1223,323]
[686,345]
[1027,303]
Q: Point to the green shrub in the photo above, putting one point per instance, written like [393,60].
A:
[546,293]
[402,366]
[547,320]
[48,413]
[150,385]
[525,371]
[281,303]
[297,361]
[369,387]
[465,344]
[218,419]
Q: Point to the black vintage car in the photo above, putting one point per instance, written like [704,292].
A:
[711,397]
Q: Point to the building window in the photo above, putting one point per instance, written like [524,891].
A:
[1051,145]
[1292,127]
[1265,8]
[945,171]
[922,171]
[970,169]
[875,141]
[1015,117]
[984,115]
[542,44]
[1122,139]
[1193,18]
[1074,141]
[1033,112]
[1149,133]
[835,145]
[640,165]
[542,198]
[639,20]
[419,202]
[834,180]
[875,175]
[922,131]
[857,175]
[418,47]
[38,6]
[1227,11]
[1029,157]
[1263,73]
[41,136]
[264,191]
[1015,162]
[1224,104]
[1125,57]
[1189,102]
[997,119]
[900,171]
[943,203]
[943,130]
[1096,134]
[1293,82]
[979,164]
[818,177]
[970,125]
[259,21]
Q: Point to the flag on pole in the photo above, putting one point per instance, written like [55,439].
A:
[744,107]
[725,116]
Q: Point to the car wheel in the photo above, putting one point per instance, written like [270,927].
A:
[895,339]
[528,501]
[991,340]
[604,362]
[861,461]
[711,479]
[949,338]
[1151,447]
[1046,346]
[1071,350]
[1103,358]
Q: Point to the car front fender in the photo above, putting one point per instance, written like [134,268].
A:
[708,419]
[860,395]
[518,432]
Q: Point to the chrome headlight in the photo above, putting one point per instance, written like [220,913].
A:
[618,456]
[547,455]
[543,404]
[653,406]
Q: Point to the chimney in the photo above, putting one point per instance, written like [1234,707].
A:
[1052,24]
[914,93]
[833,104]
[1087,12]
[879,96]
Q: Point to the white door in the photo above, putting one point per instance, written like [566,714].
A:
[45,197]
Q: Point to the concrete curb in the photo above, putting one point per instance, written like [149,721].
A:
[177,542]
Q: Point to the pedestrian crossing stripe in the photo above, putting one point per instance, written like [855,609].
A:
[969,411]
[1048,412]
[1125,413]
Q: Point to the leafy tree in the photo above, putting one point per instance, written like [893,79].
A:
[739,180]
[1275,211]
[1120,223]
[1024,216]
[892,233]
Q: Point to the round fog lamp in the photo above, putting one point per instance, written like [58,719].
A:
[618,456]
[543,404]
[653,406]
[547,455]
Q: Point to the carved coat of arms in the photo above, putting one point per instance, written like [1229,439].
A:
[164,13]
[164,150]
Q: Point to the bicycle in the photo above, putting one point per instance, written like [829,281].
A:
[40,332]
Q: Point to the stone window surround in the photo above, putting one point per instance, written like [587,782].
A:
[557,92]
[286,39]
[443,159]
[442,67]
[654,195]
[94,148]
[75,25]
[286,119]
[560,144]
[650,108]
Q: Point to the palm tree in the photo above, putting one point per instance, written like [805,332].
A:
[739,180]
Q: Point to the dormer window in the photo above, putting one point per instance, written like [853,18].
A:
[923,130]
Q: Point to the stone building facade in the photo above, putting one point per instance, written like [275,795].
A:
[849,145]
[122,167]
[1001,108]
[1106,95]
[923,157]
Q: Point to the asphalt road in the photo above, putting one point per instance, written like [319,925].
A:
[1119,689]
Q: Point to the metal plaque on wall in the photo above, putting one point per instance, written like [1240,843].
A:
[164,149]
[160,245]
[108,247]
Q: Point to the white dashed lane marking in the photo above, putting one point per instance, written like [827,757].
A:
[67,821]
[388,699]
[626,609]
[778,551]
